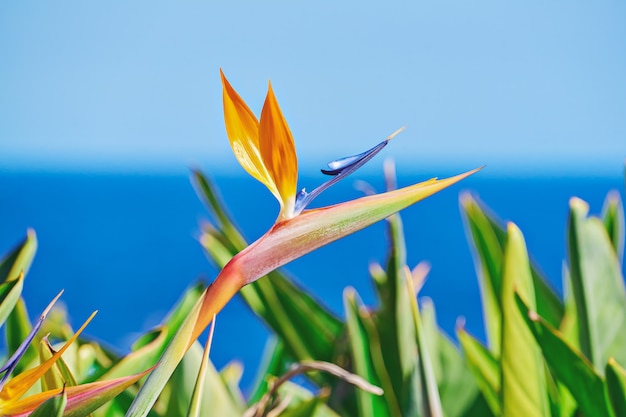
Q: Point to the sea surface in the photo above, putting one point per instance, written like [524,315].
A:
[126,245]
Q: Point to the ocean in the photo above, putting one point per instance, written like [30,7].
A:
[126,245]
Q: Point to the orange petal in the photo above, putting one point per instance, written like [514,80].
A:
[18,386]
[242,129]
[279,153]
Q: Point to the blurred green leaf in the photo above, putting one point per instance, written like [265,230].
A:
[195,402]
[598,288]
[487,238]
[231,375]
[457,388]
[369,405]
[215,398]
[487,242]
[53,407]
[10,293]
[484,367]
[616,384]
[431,403]
[395,324]
[570,367]
[522,367]
[613,219]
[147,350]
[313,407]
[209,194]
[274,364]
[19,259]
[18,326]
[167,365]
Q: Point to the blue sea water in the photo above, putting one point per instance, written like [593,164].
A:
[126,245]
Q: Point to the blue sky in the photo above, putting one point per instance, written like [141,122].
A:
[519,86]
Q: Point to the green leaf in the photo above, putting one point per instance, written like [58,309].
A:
[487,238]
[19,259]
[149,347]
[598,288]
[10,293]
[369,405]
[457,388]
[484,367]
[212,393]
[613,219]
[209,194]
[53,407]
[616,384]
[394,322]
[487,241]
[431,403]
[313,407]
[18,326]
[274,364]
[522,368]
[568,366]
[169,361]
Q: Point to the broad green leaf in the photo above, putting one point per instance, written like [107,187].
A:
[149,347]
[169,361]
[431,403]
[231,374]
[457,388]
[19,259]
[487,238]
[18,326]
[209,194]
[522,367]
[613,219]
[598,288]
[568,366]
[394,321]
[487,242]
[313,407]
[369,405]
[212,393]
[616,384]
[307,329]
[10,292]
[484,367]
[569,323]
[53,407]
[274,364]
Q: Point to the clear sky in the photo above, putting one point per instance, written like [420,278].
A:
[533,86]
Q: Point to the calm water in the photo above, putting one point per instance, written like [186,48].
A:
[127,246]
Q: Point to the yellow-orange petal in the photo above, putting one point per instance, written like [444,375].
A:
[279,153]
[242,128]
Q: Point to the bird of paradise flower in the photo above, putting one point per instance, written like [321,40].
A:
[265,149]
[80,399]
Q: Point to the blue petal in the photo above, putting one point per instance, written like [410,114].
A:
[339,165]
[339,168]
[10,365]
